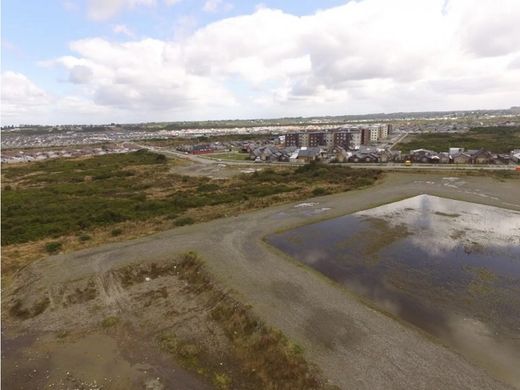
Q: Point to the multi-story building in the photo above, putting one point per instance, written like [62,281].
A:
[316,139]
[342,138]
[374,134]
[365,136]
[304,139]
[383,132]
[330,137]
[292,139]
[355,138]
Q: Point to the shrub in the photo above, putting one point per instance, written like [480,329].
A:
[53,247]
[109,322]
[84,237]
[116,232]
[207,187]
[184,221]
[161,158]
[319,191]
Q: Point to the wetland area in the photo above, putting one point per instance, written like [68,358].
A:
[448,267]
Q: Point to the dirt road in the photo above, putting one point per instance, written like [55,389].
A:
[356,346]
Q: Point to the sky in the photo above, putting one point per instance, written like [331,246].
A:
[127,61]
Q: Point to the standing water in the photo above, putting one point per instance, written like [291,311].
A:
[451,268]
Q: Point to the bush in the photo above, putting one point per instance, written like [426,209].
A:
[53,247]
[184,221]
[116,232]
[161,158]
[319,191]
[84,237]
[109,322]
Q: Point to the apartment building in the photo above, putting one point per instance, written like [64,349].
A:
[292,139]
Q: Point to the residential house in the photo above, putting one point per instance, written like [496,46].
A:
[444,158]
[359,157]
[461,158]
[308,154]
[339,154]
[424,156]
[481,157]
[501,159]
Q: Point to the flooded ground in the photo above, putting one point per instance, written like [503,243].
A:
[451,268]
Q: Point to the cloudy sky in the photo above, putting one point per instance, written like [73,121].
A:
[98,61]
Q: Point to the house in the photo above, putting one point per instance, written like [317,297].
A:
[501,159]
[461,158]
[424,156]
[455,150]
[359,157]
[308,154]
[444,158]
[261,153]
[386,156]
[339,154]
[481,157]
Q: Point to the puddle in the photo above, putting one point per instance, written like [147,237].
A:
[451,268]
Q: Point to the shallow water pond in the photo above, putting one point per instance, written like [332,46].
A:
[451,268]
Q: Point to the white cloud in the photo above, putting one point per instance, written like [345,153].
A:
[216,5]
[21,97]
[364,56]
[105,9]
[122,29]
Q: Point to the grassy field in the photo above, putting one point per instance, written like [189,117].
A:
[230,156]
[113,197]
[495,139]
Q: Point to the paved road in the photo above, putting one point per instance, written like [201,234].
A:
[355,346]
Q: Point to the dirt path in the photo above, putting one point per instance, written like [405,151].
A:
[355,346]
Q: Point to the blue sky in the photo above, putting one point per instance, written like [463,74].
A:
[34,31]
[68,61]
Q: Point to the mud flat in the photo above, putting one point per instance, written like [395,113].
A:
[355,345]
[451,268]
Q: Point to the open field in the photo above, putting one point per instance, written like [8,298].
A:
[64,204]
[495,139]
[231,156]
[354,345]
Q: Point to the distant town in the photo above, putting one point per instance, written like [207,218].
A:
[367,139]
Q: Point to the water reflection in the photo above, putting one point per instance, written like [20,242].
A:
[449,267]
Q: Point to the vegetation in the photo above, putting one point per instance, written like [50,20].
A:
[58,197]
[232,156]
[266,359]
[53,247]
[76,203]
[109,322]
[116,232]
[498,139]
